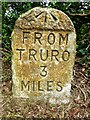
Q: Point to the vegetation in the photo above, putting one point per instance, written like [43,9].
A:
[79,12]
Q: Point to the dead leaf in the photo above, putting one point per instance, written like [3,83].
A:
[73,112]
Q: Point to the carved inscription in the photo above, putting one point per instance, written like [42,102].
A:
[43,47]
[49,86]
[53,52]
[45,54]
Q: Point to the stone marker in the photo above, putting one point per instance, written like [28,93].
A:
[43,45]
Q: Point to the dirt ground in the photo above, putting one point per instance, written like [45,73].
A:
[77,109]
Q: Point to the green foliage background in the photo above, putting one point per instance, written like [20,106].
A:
[79,13]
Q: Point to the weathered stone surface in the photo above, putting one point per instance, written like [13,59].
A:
[38,18]
[43,45]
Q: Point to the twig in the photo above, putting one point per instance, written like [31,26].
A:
[83,75]
[85,98]
[3,104]
[81,15]
[88,47]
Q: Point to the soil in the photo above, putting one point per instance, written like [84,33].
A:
[77,109]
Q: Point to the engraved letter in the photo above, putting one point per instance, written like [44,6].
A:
[43,54]
[61,37]
[25,85]
[65,55]
[37,36]
[39,86]
[49,87]
[54,53]
[25,36]
[20,50]
[51,38]
[59,86]
[32,53]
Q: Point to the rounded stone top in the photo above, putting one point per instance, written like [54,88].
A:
[45,18]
